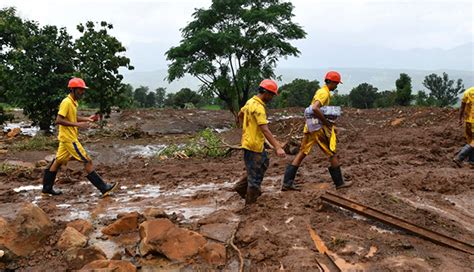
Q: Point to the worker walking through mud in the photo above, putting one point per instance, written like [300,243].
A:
[466,116]
[69,145]
[253,119]
[320,130]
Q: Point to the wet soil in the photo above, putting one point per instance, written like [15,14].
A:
[400,160]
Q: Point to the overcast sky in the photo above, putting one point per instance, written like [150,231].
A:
[148,28]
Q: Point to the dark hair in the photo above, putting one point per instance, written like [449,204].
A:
[261,90]
[327,81]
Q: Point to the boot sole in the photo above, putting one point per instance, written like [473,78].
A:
[286,189]
[48,194]
[111,190]
[344,186]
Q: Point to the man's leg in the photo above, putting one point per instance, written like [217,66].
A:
[79,153]
[323,140]
[62,156]
[256,164]
[288,183]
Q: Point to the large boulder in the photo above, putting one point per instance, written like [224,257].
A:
[109,266]
[125,224]
[164,237]
[83,226]
[27,231]
[76,258]
[213,253]
[71,238]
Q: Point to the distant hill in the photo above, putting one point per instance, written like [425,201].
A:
[383,79]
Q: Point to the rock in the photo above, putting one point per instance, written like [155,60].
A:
[110,266]
[41,163]
[396,122]
[153,213]
[213,253]
[126,223]
[218,232]
[76,258]
[14,132]
[71,238]
[164,237]
[27,231]
[151,231]
[50,157]
[81,225]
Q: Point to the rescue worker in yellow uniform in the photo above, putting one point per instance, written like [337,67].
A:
[466,116]
[320,137]
[255,130]
[69,145]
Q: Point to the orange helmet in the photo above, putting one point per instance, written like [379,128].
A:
[269,85]
[76,82]
[333,76]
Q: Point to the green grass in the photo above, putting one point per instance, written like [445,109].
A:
[6,107]
[211,107]
[205,144]
[36,143]
[6,168]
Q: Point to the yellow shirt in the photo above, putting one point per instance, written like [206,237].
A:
[254,116]
[68,110]
[468,98]
[323,96]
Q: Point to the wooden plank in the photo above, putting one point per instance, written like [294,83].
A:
[369,212]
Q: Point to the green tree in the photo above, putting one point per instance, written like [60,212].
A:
[125,98]
[150,100]
[100,57]
[139,96]
[363,96]
[424,100]
[403,93]
[160,97]
[385,99]
[231,46]
[298,93]
[340,99]
[169,100]
[185,96]
[36,69]
[11,32]
[442,89]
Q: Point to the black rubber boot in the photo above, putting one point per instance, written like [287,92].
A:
[103,187]
[252,195]
[337,178]
[288,183]
[241,187]
[48,182]
[463,154]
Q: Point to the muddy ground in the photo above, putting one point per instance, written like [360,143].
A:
[400,160]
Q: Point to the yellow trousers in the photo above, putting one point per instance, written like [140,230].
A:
[74,149]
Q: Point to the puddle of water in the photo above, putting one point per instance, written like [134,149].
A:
[109,247]
[179,200]
[26,128]
[145,151]
[28,188]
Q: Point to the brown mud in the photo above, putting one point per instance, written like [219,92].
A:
[400,160]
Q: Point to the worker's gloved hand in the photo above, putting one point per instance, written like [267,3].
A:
[308,112]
